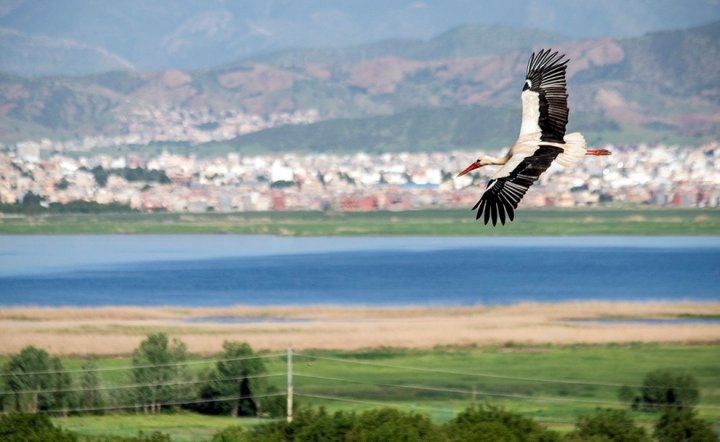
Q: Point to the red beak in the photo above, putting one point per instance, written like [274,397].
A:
[470,168]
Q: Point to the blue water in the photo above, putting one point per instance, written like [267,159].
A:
[220,270]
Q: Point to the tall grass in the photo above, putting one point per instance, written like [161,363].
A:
[117,331]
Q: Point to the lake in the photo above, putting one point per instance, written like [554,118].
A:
[221,270]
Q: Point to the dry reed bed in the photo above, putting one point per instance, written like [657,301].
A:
[118,330]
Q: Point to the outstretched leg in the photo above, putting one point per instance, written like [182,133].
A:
[597,152]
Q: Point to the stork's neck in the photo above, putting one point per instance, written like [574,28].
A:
[487,159]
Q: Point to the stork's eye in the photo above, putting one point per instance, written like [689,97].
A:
[528,83]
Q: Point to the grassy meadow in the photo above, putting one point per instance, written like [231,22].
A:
[596,221]
[552,384]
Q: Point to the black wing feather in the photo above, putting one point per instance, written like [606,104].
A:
[504,194]
[546,72]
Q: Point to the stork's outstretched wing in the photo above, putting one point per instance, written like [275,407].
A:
[544,117]
[509,184]
[544,98]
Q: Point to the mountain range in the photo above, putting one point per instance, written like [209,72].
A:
[457,89]
[41,37]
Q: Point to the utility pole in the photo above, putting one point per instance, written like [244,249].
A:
[289,386]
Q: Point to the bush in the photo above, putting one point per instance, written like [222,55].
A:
[389,424]
[608,425]
[669,388]
[20,427]
[676,426]
[494,423]
[231,434]
[381,425]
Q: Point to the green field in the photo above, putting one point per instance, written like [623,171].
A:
[605,221]
[553,385]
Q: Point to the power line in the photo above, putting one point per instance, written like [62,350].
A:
[487,375]
[487,393]
[454,372]
[128,386]
[133,367]
[453,390]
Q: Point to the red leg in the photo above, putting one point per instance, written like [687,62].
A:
[597,152]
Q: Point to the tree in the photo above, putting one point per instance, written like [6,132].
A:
[669,388]
[683,426]
[608,425]
[235,376]
[158,368]
[90,396]
[37,382]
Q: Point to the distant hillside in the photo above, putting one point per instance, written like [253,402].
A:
[192,34]
[460,127]
[459,42]
[22,53]
[663,83]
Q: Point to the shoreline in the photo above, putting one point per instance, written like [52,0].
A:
[115,330]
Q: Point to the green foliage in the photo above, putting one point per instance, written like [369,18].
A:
[131,174]
[683,426]
[155,362]
[389,424]
[494,423]
[608,425]
[36,382]
[282,184]
[33,205]
[664,388]
[19,427]
[315,425]
[231,434]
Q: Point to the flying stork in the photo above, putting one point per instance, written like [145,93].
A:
[542,139]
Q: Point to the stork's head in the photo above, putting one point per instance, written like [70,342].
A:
[480,162]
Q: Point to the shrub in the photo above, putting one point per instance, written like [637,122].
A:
[231,434]
[608,425]
[683,426]
[494,423]
[20,427]
[389,424]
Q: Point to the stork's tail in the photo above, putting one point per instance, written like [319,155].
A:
[574,150]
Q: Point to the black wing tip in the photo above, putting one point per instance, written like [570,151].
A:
[492,211]
[545,59]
